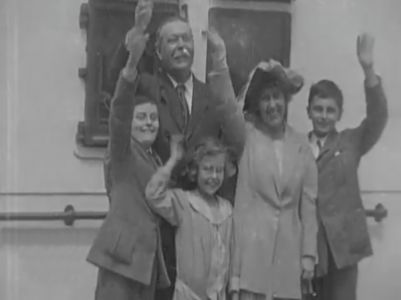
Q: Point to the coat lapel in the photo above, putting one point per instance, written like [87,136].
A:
[328,149]
[169,98]
[141,153]
[143,159]
[199,106]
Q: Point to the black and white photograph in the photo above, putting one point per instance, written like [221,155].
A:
[200,149]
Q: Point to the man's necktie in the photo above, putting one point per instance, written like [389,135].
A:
[180,88]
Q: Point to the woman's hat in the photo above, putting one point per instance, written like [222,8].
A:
[271,74]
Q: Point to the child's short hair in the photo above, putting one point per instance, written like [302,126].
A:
[208,146]
[326,89]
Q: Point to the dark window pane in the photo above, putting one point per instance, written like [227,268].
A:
[251,36]
[107,23]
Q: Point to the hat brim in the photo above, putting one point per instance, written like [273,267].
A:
[286,80]
[289,81]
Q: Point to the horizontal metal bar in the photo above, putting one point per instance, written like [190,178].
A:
[51,216]
[52,194]
[101,193]
[69,216]
[378,213]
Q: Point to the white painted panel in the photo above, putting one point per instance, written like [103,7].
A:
[46,259]
[380,275]
[324,46]
[44,97]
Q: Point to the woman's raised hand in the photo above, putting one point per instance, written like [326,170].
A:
[216,43]
[135,39]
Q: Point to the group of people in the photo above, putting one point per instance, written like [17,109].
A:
[296,223]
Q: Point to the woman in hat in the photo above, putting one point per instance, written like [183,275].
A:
[275,223]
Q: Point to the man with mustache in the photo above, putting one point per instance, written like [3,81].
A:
[186,105]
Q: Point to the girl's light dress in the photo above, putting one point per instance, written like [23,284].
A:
[203,239]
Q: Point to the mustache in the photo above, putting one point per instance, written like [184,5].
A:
[182,52]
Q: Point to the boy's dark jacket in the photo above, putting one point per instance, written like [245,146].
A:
[341,214]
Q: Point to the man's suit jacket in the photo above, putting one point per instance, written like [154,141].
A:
[128,242]
[343,227]
[207,116]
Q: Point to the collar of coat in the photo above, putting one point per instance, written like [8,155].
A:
[148,154]
[200,205]
[330,140]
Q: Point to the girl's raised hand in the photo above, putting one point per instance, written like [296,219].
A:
[176,147]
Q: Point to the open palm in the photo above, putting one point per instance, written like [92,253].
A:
[143,14]
[364,48]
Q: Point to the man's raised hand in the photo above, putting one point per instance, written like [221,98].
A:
[143,14]
[135,42]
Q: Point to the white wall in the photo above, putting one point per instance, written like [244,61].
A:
[46,260]
[42,100]
[379,275]
[324,46]
[45,97]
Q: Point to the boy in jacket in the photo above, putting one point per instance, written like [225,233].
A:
[343,238]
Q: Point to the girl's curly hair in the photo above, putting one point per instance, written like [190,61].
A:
[208,146]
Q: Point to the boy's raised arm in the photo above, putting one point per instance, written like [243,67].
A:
[376,103]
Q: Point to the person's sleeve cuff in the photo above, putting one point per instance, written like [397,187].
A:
[234,284]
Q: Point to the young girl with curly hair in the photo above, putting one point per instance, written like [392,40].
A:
[202,218]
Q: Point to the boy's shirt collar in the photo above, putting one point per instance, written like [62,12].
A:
[314,143]
[314,139]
